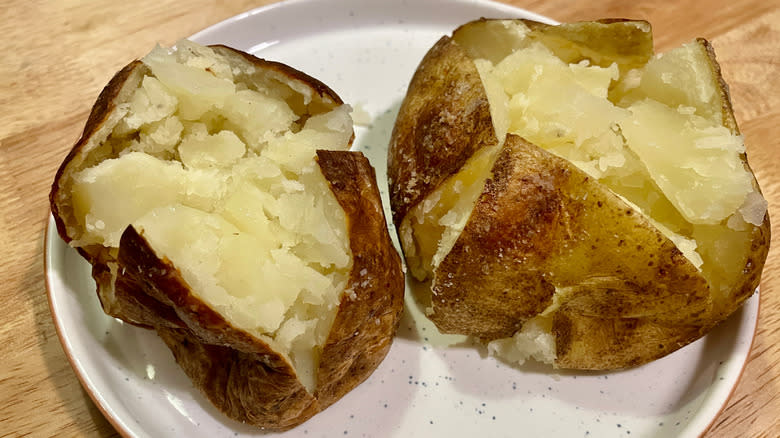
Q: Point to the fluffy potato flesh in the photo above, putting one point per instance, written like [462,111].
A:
[219,175]
[656,131]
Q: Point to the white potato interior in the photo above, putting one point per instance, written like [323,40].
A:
[653,135]
[218,174]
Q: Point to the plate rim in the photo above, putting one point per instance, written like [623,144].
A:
[120,426]
[725,403]
[81,374]
[51,235]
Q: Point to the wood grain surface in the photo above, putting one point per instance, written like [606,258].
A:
[58,54]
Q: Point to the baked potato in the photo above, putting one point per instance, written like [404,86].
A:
[216,199]
[564,194]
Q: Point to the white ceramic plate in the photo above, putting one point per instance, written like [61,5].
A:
[429,384]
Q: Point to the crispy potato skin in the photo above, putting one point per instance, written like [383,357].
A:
[365,324]
[541,224]
[247,387]
[626,294]
[443,120]
[618,342]
[239,373]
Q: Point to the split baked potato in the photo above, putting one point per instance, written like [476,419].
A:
[215,197]
[563,193]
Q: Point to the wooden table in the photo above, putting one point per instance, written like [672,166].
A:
[58,54]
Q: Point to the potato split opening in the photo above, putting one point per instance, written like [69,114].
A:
[651,129]
[215,167]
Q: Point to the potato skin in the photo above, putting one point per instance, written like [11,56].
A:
[628,43]
[539,222]
[626,294]
[239,373]
[247,387]
[366,322]
[443,120]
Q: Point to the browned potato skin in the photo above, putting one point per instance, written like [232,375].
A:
[364,326]
[443,120]
[633,297]
[239,373]
[618,342]
[531,230]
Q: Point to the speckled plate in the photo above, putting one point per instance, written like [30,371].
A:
[429,385]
